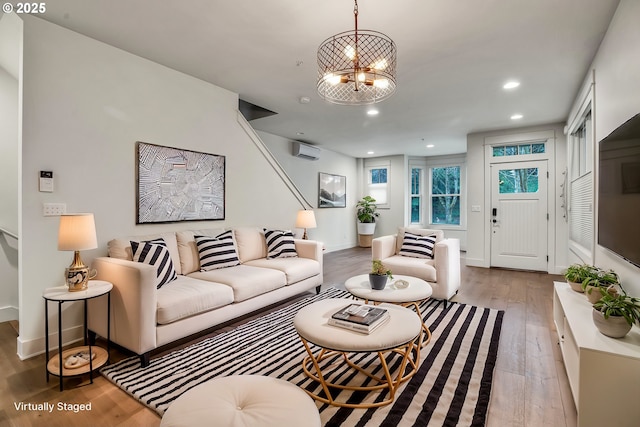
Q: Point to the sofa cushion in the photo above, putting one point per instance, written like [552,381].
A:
[121,247]
[155,253]
[296,269]
[186,297]
[280,244]
[217,252]
[188,250]
[245,280]
[417,246]
[423,268]
[250,243]
[419,231]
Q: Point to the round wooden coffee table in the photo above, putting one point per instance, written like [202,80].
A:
[416,292]
[401,335]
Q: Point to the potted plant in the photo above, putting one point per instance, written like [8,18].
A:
[379,275]
[597,282]
[615,313]
[576,274]
[366,214]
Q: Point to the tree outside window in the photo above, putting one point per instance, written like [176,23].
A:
[416,195]
[518,180]
[445,195]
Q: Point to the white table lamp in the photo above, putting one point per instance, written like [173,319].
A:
[77,232]
[306,219]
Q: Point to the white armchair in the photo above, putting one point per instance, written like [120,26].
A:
[442,272]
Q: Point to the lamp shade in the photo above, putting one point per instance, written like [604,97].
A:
[306,219]
[77,232]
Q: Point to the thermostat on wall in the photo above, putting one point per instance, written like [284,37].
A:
[46,181]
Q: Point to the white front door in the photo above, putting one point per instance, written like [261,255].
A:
[519,218]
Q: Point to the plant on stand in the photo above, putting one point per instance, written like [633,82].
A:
[379,275]
[576,274]
[597,282]
[615,313]
[366,214]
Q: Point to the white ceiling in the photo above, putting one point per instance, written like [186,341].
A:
[453,58]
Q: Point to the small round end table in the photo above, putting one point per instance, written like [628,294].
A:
[61,294]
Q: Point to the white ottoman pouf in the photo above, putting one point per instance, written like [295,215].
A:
[243,400]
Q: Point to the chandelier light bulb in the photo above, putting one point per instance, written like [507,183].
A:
[381,83]
[350,52]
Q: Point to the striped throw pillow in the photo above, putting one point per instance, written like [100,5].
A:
[217,252]
[280,244]
[155,253]
[417,246]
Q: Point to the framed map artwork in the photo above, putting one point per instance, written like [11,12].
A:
[178,185]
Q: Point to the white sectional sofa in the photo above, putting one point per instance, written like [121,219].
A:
[442,271]
[145,317]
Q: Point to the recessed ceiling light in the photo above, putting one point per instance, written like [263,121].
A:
[373,112]
[516,117]
[300,133]
[370,152]
[512,84]
[430,145]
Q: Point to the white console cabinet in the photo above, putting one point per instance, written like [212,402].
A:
[604,373]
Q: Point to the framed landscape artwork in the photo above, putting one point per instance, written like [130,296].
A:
[178,185]
[332,191]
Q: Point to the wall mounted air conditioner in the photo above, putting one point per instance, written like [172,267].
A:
[305,151]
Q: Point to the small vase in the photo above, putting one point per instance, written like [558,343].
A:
[614,326]
[378,281]
[576,286]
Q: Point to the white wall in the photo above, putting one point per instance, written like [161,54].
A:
[617,98]
[336,226]
[478,231]
[85,106]
[10,48]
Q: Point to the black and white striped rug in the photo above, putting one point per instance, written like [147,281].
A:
[451,388]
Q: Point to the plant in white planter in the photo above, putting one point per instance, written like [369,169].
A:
[614,314]
[366,214]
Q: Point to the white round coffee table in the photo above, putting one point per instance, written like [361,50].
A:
[401,334]
[417,291]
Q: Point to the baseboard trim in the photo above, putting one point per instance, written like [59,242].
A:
[8,313]
[27,349]
[476,262]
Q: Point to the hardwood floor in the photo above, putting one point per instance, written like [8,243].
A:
[530,384]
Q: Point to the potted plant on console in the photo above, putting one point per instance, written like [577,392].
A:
[576,274]
[379,275]
[615,313]
[597,282]
[366,214]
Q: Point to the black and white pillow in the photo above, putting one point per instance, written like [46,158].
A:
[280,244]
[217,252]
[155,253]
[417,246]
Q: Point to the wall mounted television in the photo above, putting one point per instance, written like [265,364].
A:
[619,191]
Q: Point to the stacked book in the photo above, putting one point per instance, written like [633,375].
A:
[360,318]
